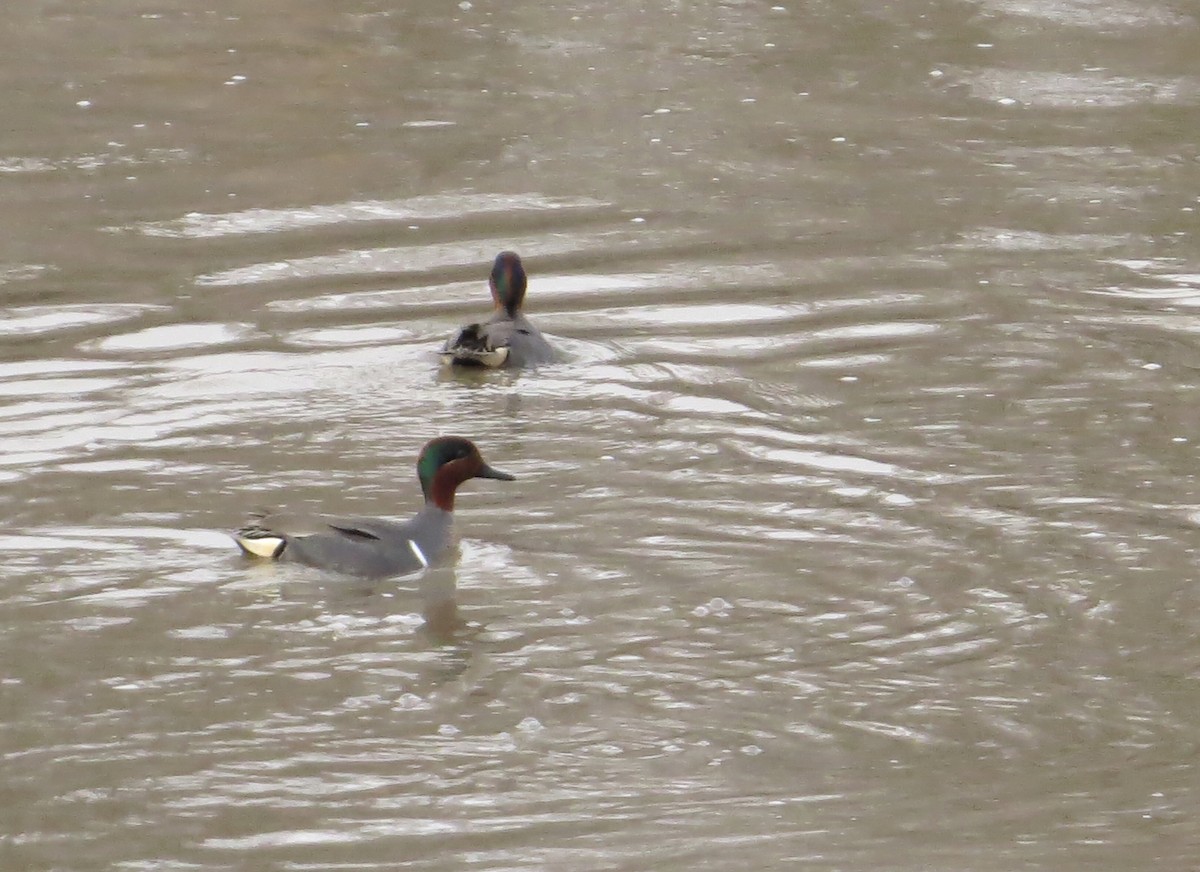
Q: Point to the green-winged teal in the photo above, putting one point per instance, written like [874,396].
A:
[508,338]
[369,547]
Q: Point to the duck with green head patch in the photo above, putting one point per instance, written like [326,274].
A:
[373,548]
[508,338]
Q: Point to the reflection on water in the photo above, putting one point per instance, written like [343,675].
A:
[852,532]
[442,207]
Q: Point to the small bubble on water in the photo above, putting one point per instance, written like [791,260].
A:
[448,730]
[408,701]
[530,725]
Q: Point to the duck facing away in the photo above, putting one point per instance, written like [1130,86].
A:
[508,338]
[373,548]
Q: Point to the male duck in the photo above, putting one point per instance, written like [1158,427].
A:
[368,547]
[507,338]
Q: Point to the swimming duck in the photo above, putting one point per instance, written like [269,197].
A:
[508,338]
[373,548]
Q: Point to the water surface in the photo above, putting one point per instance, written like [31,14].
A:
[853,532]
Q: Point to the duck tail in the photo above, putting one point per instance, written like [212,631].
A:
[257,541]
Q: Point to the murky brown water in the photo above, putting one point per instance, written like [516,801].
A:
[856,533]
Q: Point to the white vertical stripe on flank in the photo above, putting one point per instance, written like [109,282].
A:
[418,554]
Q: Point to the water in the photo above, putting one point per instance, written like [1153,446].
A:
[854,532]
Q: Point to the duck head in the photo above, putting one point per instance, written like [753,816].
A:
[448,461]
[507,282]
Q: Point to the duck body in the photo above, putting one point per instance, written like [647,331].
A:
[369,547]
[501,341]
[351,546]
[508,338]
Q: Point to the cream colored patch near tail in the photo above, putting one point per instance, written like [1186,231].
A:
[493,358]
[471,346]
[260,546]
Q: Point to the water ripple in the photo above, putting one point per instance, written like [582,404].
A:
[426,208]
[35,320]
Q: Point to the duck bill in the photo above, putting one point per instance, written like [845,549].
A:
[486,471]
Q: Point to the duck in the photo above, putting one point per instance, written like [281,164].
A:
[371,548]
[508,338]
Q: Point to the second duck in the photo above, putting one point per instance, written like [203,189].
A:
[508,338]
